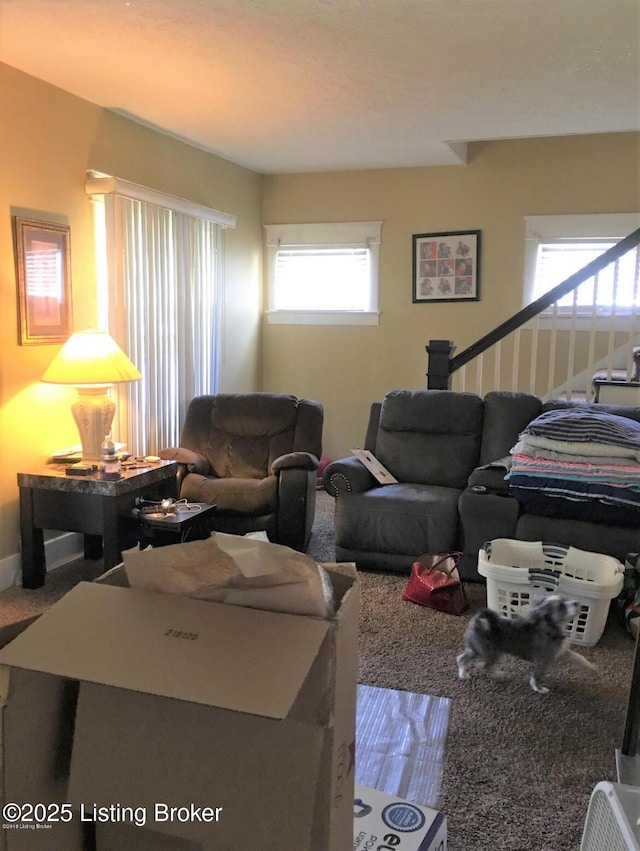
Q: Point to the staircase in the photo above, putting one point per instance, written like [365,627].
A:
[548,350]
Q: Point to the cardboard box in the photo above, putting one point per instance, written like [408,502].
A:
[36,732]
[384,822]
[242,721]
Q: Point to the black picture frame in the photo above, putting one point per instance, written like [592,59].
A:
[446,266]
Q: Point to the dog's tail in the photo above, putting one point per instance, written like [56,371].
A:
[485,620]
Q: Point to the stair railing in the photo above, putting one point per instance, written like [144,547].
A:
[445,371]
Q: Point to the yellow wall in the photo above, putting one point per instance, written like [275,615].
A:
[346,368]
[48,140]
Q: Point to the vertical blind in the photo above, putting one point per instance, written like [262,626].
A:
[164,279]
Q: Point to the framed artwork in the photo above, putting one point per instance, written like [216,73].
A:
[446,266]
[43,269]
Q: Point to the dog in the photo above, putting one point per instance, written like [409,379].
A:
[538,635]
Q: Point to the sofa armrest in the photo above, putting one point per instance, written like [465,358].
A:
[299,460]
[490,477]
[296,507]
[347,475]
[487,510]
[187,460]
[195,462]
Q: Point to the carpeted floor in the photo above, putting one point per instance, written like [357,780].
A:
[519,767]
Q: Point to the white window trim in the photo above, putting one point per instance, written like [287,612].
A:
[104,184]
[318,234]
[581,225]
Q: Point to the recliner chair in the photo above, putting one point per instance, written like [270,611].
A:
[254,456]
[430,440]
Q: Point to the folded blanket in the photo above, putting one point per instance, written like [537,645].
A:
[569,447]
[578,457]
[570,489]
[623,475]
[526,447]
[584,425]
[588,510]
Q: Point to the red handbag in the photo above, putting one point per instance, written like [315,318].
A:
[435,582]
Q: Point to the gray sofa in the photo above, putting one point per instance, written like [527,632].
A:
[450,453]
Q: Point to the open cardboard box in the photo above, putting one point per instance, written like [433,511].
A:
[241,720]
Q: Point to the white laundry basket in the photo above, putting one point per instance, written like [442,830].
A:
[518,571]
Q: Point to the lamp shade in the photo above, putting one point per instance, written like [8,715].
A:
[90,357]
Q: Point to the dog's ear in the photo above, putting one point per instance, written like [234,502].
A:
[539,601]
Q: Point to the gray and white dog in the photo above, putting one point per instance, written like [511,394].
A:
[538,635]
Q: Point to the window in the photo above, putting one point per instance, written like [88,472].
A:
[559,246]
[160,295]
[323,273]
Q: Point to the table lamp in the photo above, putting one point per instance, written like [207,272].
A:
[92,361]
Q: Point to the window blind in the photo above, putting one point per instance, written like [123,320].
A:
[615,289]
[335,277]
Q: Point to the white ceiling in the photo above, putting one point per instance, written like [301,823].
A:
[313,85]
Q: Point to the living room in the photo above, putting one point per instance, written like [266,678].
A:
[51,138]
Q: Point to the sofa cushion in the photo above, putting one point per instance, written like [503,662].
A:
[243,496]
[402,519]
[430,437]
[505,416]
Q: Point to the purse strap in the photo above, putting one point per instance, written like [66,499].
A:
[439,558]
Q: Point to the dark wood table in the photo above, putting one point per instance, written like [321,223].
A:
[184,524]
[99,509]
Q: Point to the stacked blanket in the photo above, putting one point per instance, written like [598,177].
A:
[579,463]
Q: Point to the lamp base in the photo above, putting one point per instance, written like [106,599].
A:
[93,413]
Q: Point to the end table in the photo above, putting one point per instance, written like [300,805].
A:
[99,509]
[179,526]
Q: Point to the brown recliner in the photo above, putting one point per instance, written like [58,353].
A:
[254,456]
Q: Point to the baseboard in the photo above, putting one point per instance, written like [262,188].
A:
[58,551]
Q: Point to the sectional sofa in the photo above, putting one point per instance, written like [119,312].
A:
[450,453]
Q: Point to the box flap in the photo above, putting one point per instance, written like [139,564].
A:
[231,657]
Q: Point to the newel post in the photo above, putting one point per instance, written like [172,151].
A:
[438,370]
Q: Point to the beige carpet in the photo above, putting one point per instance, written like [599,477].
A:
[519,767]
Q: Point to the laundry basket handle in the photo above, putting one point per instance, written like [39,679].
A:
[546,575]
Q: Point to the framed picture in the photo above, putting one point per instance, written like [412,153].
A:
[43,270]
[446,266]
